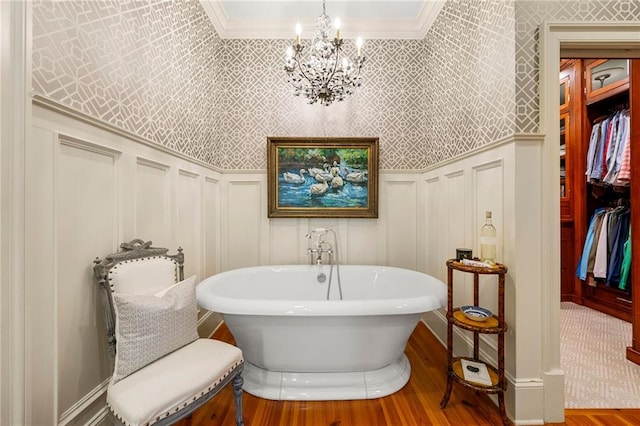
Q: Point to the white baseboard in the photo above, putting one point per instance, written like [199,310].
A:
[208,323]
[100,418]
[83,404]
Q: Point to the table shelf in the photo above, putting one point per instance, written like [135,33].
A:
[493,325]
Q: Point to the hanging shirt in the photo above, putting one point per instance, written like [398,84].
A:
[607,144]
[592,253]
[593,145]
[626,263]
[624,174]
[602,251]
[619,141]
[611,154]
[596,172]
[617,251]
[581,270]
[611,231]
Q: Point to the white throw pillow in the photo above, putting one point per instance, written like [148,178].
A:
[150,326]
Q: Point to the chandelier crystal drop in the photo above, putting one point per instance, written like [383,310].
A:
[325,75]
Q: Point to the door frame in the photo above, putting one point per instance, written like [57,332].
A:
[554,37]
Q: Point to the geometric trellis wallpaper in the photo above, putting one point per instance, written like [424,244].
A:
[254,101]
[159,70]
[469,77]
[143,66]
[529,16]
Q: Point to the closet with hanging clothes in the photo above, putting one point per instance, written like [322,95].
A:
[600,200]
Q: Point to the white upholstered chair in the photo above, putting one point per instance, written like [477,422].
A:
[162,370]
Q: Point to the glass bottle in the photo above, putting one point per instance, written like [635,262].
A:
[488,241]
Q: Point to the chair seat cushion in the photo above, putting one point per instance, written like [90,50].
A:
[172,382]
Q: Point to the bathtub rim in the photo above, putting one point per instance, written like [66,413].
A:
[293,307]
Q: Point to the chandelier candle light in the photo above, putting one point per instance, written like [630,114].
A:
[325,75]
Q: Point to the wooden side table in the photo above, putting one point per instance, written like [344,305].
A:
[493,325]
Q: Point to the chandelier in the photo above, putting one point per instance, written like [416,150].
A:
[325,75]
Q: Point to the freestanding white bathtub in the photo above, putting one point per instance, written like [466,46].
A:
[299,346]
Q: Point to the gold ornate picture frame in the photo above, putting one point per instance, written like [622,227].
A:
[322,177]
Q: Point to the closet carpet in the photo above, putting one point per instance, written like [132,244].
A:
[592,355]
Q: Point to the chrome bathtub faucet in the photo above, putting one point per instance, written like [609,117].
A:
[320,246]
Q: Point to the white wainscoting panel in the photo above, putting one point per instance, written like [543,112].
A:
[153,202]
[188,221]
[88,190]
[434,233]
[503,179]
[400,206]
[360,245]
[86,210]
[242,229]
[456,203]
[211,226]
[286,245]
[488,188]
[456,206]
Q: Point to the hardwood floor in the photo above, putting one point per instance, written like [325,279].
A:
[417,404]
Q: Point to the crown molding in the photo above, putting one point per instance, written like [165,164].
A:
[427,16]
[253,28]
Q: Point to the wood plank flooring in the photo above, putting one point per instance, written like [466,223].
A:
[417,404]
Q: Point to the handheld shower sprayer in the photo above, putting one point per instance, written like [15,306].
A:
[317,231]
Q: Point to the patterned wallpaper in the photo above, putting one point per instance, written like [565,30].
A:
[144,66]
[529,16]
[254,101]
[469,77]
[159,70]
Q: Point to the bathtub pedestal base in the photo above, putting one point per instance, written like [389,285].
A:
[279,385]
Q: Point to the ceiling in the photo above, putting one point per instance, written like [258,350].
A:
[370,19]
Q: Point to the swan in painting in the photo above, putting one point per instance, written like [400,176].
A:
[313,171]
[336,181]
[319,188]
[356,177]
[324,176]
[298,179]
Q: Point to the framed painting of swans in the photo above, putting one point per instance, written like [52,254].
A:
[322,177]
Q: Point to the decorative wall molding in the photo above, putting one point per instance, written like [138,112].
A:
[46,102]
[74,142]
[153,164]
[188,173]
[513,138]
[122,185]
[281,28]
[417,204]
